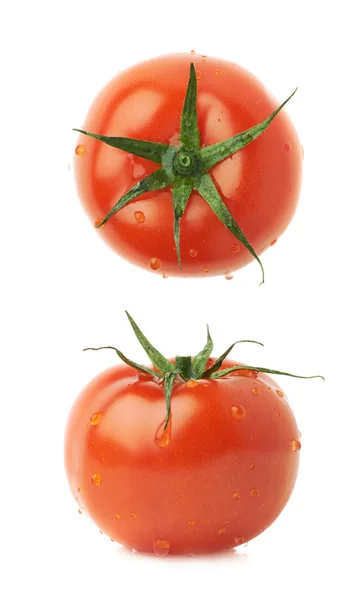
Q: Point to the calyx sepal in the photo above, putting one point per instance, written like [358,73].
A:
[184,168]
[186,368]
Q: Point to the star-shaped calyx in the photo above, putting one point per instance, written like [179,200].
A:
[187,368]
[186,167]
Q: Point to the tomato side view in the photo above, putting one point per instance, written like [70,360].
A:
[188,167]
[190,455]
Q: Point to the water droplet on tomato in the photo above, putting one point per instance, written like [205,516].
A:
[191,523]
[133,516]
[206,270]
[235,247]
[80,150]
[192,383]
[96,479]
[79,511]
[95,418]
[97,224]
[280,393]
[238,411]
[139,216]
[229,277]
[221,531]
[161,547]
[79,489]
[155,264]
[117,517]
[252,467]
[254,492]
[255,391]
[296,445]
[253,437]
[236,496]
[273,242]
[192,252]
[198,74]
[278,415]
[287,147]
[163,435]
[218,73]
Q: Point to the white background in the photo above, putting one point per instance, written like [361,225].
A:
[63,289]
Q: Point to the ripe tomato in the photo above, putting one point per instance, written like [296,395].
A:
[259,184]
[216,478]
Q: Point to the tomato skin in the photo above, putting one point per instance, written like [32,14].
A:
[219,482]
[259,184]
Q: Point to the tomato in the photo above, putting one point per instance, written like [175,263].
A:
[218,477]
[259,184]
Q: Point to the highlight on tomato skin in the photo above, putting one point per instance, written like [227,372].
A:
[189,219]
[192,455]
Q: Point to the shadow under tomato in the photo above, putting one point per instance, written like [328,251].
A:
[228,556]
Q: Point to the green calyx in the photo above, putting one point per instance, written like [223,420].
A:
[186,368]
[184,168]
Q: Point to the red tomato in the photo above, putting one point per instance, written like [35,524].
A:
[217,478]
[259,184]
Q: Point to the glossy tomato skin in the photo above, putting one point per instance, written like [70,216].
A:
[225,475]
[260,184]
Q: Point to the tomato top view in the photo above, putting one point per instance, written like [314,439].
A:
[187,166]
[189,455]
